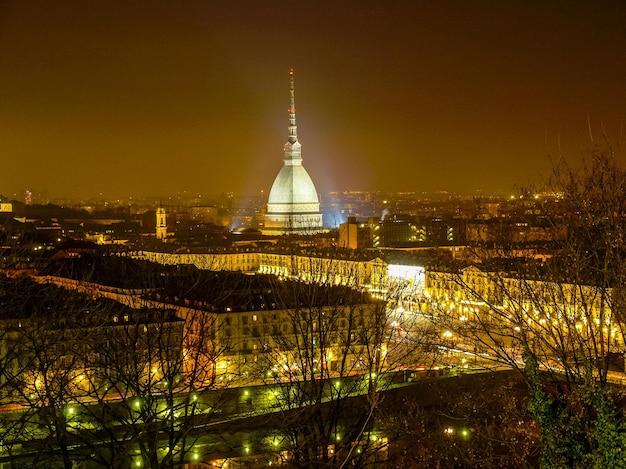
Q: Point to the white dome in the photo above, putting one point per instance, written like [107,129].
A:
[293,185]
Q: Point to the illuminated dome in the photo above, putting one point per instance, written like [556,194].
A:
[293,185]
[293,205]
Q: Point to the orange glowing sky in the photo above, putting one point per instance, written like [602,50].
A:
[151,98]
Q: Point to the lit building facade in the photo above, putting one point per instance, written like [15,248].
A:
[366,274]
[258,345]
[293,205]
[5,206]
[512,307]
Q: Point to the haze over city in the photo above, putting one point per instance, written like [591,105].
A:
[323,234]
[120,99]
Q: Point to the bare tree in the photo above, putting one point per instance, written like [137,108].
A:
[471,420]
[326,354]
[93,380]
[45,371]
[559,319]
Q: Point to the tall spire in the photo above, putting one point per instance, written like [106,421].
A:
[293,205]
[293,128]
[293,152]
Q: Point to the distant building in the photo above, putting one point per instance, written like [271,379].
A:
[293,205]
[348,234]
[355,235]
[438,231]
[161,223]
[5,205]
[514,230]
[397,229]
[205,214]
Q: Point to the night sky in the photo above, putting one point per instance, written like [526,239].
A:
[124,98]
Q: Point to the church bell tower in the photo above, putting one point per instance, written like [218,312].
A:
[161,223]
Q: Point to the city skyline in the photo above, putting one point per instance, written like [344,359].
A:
[119,100]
